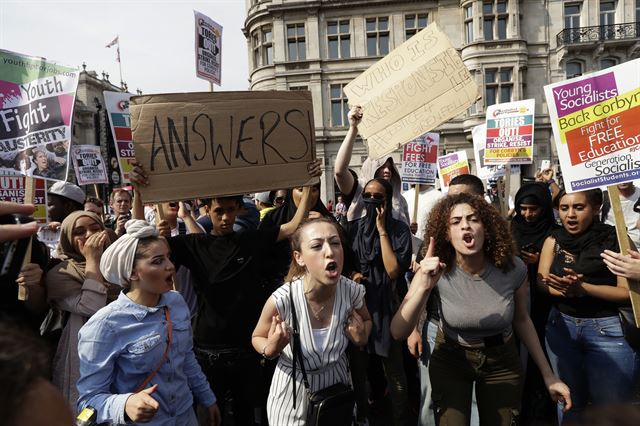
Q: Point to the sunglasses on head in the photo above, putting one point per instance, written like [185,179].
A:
[279,200]
[375,196]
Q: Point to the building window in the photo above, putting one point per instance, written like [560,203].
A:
[572,15]
[468,23]
[295,88]
[377,36]
[573,69]
[414,23]
[607,63]
[498,86]
[607,19]
[262,43]
[339,106]
[339,39]
[296,46]
[637,11]
[495,19]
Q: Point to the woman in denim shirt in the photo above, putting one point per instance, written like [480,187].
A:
[146,330]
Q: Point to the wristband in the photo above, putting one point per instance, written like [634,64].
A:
[383,235]
[264,355]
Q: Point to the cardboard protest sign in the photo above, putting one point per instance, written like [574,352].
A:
[509,128]
[36,109]
[452,165]
[117,104]
[596,123]
[419,159]
[208,48]
[88,164]
[223,143]
[418,86]
[12,187]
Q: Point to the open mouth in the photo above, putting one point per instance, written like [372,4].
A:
[332,269]
[572,224]
[468,240]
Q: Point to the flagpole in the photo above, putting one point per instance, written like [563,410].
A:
[120,64]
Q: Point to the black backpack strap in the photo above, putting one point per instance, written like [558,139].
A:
[297,355]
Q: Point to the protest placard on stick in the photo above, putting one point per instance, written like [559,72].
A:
[419,159]
[623,242]
[509,133]
[223,143]
[88,164]
[418,86]
[452,165]
[36,110]
[208,44]
[117,105]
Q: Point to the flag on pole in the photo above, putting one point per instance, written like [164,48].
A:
[114,42]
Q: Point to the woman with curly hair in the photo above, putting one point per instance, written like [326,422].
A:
[483,291]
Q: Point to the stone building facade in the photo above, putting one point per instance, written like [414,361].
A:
[511,47]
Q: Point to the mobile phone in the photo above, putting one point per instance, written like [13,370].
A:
[529,248]
[12,252]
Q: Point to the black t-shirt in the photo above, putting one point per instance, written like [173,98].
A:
[227,272]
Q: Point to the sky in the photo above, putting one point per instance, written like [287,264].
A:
[156,39]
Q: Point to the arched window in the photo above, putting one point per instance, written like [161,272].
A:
[607,63]
[573,69]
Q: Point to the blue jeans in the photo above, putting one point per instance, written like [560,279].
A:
[593,358]
[426,417]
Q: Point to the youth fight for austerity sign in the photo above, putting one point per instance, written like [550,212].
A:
[419,159]
[208,48]
[117,104]
[452,165]
[510,133]
[36,109]
[596,124]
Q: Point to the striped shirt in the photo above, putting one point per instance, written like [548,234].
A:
[324,367]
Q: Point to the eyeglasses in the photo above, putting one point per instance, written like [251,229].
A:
[375,196]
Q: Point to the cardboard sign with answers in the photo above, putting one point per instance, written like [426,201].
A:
[222,143]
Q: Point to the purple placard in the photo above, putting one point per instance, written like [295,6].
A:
[578,95]
[447,160]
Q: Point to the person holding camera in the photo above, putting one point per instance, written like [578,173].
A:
[120,202]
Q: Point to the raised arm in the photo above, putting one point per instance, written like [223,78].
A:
[343,177]
[411,308]
[287,229]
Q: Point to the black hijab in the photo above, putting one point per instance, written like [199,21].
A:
[526,233]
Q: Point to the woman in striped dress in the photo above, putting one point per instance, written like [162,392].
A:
[330,313]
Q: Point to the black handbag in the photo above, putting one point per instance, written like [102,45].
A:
[331,406]
[629,329]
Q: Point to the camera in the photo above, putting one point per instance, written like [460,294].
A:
[12,252]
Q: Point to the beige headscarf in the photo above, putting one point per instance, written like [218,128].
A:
[69,275]
[116,263]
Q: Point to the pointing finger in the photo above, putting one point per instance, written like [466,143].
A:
[431,248]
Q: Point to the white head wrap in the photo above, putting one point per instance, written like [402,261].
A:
[116,263]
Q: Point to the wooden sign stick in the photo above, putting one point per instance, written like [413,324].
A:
[623,241]
[29,197]
[507,188]
[416,190]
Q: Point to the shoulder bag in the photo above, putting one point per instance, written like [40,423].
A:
[331,406]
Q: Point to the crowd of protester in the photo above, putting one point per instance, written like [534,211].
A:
[232,310]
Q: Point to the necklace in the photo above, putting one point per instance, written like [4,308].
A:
[316,314]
